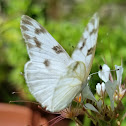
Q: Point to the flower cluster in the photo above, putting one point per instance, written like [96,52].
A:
[105,75]
[100,112]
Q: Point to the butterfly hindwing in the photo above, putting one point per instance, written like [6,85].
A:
[69,85]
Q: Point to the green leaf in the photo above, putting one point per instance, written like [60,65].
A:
[90,107]
[99,104]
[87,94]
[110,88]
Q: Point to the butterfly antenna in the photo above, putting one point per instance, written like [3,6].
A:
[104,72]
[24,102]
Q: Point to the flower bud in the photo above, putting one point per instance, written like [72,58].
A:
[119,73]
[116,96]
[100,88]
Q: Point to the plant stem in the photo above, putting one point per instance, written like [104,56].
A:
[78,122]
[90,116]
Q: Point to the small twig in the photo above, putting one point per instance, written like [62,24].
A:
[77,121]
[90,116]
[124,116]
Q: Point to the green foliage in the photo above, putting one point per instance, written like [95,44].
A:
[66,28]
[110,89]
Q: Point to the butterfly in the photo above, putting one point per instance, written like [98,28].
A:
[52,76]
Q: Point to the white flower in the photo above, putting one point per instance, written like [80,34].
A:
[119,71]
[100,88]
[121,91]
[104,73]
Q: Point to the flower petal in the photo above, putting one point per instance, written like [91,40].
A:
[121,91]
[98,88]
[119,72]
[104,73]
[103,87]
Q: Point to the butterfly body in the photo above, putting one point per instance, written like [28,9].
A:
[53,77]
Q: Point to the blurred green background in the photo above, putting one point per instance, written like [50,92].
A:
[65,20]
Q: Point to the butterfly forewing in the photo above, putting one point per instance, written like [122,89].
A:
[85,49]
[40,43]
[48,61]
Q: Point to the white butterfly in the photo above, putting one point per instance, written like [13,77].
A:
[53,77]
